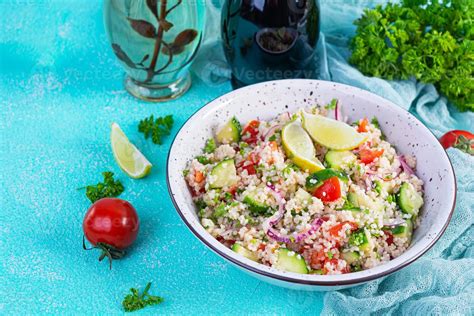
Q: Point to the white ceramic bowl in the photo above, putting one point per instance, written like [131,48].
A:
[265,101]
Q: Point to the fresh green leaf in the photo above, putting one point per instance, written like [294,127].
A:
[135,301]
[331,105]
[156,128]
[432,41]
[210,146]
[203,160]
[108,188]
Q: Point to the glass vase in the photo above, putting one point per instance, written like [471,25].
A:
[156,42]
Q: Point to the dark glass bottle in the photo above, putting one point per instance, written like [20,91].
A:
[270,39]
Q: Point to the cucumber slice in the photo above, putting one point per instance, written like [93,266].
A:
[230,132]
[337,159]
[363,201]
[351,256]
[362,239]
[223,174]
[256,208]
[409,200]
[404,231]
[290,261]
[386,186]
[241,250]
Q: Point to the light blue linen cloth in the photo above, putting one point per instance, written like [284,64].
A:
[442,281]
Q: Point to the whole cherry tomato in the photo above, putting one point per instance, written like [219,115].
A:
[329,191]
[462,140]
[111,225]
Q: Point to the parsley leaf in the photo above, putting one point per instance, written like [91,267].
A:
[431,41]
[108,188]
[331,105]
[156,128]
[210,146]
[135,301]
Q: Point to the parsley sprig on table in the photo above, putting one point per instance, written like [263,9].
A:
[156,128]
[108,188]
[135,301]
[432,41]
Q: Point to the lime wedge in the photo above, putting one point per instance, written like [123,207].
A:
[331,133]
[299,147]
[128,157]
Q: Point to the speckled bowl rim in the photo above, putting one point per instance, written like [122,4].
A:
[305,279]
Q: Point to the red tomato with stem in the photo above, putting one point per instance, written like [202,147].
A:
[367,155]
[329,191]
[111,225]
[462,140]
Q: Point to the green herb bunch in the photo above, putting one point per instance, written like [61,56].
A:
[430,40]
[135,301]
[108,188]
[156,128]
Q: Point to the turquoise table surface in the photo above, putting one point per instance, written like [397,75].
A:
[61,88]
[60,91]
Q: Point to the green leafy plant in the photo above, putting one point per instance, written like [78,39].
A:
[108,188]
[156,128]
[135,301]
[432,41]
[156,32]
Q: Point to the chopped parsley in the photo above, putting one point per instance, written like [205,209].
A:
[210,146]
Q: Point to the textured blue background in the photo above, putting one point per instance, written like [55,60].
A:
[60,91]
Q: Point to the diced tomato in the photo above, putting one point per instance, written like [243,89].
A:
[254,158]
[249,163]
[329,191]
[262,246]
[198,176]
[250,132]
[250,169]
[325,218]
[389,238]
[233,190]
[367,155]
[333,262]
[363,125]
[273,145]
[334,231]
[317,257]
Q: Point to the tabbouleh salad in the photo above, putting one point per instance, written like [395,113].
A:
[307,193]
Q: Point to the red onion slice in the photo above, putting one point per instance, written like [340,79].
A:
[271,131]
[273,220]
[314,227]
[337,113]
[406,168]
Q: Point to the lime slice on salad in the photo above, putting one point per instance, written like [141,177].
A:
[331,133]
[128,157]
[299,147]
